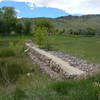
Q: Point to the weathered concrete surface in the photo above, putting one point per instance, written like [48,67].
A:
[90,69]
[56,64]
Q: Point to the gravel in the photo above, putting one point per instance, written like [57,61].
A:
[45,69]
[78,63]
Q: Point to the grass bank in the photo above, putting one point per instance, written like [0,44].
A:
[38,86]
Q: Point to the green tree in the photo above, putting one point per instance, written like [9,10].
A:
[90,31]
[43,28]
[19,28]
[27,26]
[45,23]
[9,12]
[41,38]
[8,20]
[1,22]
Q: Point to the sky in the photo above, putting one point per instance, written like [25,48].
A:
[52,8]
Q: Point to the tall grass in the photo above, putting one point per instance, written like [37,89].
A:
[11,69]
[7,52]
[87,89]
[12,61]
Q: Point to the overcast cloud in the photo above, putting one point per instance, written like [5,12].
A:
[69,6]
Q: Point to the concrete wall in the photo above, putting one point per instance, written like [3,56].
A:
[56,64]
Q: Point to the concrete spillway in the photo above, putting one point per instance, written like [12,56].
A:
[55,63]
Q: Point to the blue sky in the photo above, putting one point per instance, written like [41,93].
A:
[53,8]
[23,10]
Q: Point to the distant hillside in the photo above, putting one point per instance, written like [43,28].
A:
[74,24]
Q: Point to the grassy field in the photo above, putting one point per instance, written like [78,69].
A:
[87,48]
[15,84]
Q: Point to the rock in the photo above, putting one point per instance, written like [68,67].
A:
[28,74]
[75,62]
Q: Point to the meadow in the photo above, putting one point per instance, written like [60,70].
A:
[87,48]
[16,84]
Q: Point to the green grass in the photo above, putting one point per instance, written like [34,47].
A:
[16,64]
[11,69]
[39,86]
[87,48]
[87,89]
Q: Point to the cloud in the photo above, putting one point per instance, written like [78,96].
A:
[18,17]
[1,0]
[69,6]
[17,11]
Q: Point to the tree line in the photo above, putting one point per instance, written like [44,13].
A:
[87,25]
[10,24]
[70,25]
